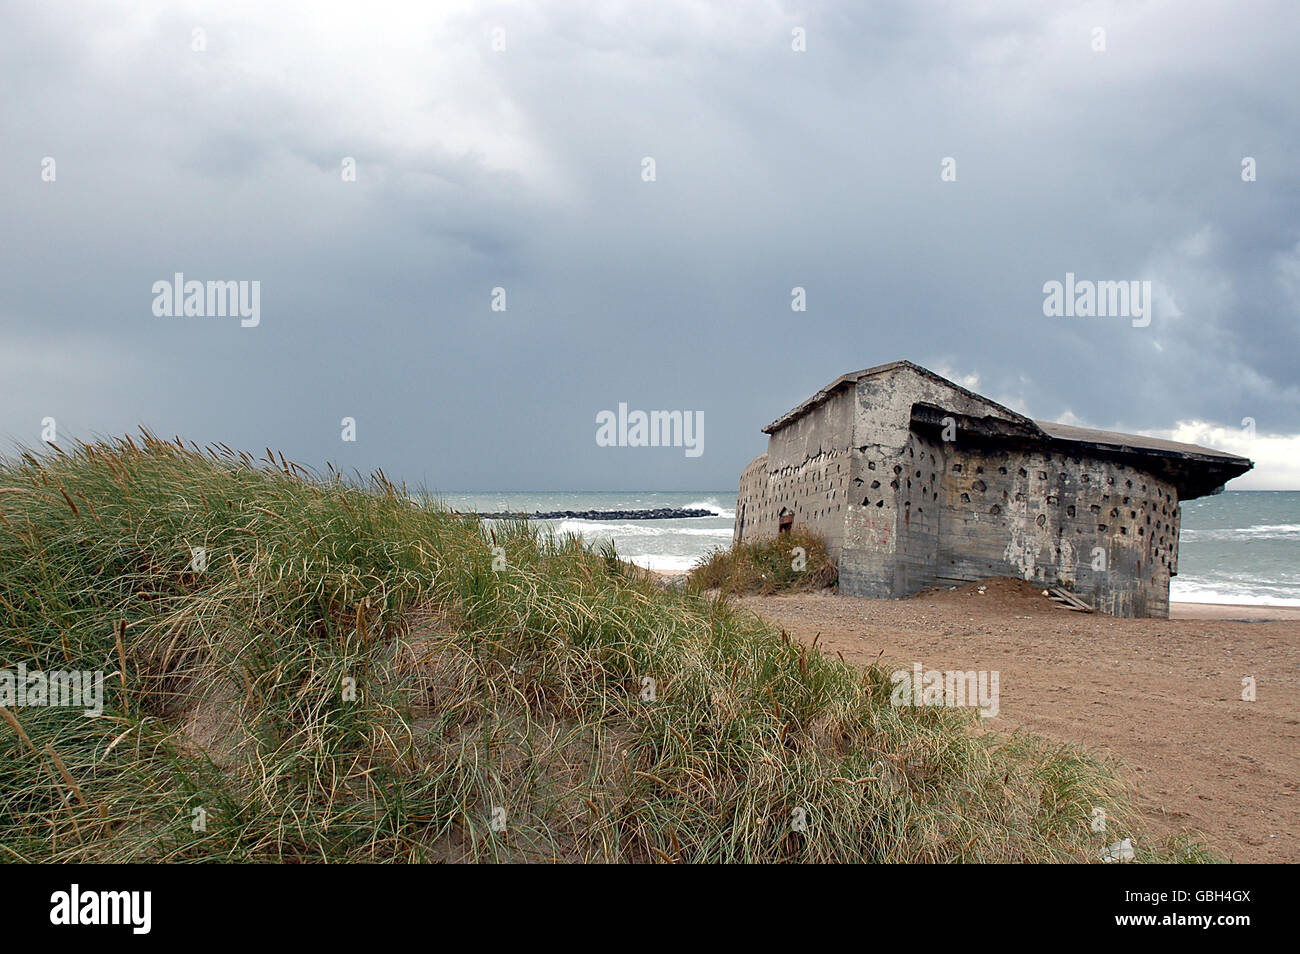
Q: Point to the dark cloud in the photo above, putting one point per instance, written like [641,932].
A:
[521,169]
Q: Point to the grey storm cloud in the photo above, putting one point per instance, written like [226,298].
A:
[521,168]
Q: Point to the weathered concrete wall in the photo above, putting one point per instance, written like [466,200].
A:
[882,414]
[922,509]
[752,506]
[902,509]
[805,473]
[1105,531]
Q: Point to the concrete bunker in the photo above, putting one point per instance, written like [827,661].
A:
[917,482]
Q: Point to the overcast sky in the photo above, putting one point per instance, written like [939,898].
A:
[523,168]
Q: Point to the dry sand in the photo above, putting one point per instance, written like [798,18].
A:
[1163,695]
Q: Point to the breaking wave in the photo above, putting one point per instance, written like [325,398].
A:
[711,505]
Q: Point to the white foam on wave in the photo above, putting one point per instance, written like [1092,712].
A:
[1262,531]
[1271,530]
[712,505]
[643,528]
[1186,591]
[662,561]
[608,528]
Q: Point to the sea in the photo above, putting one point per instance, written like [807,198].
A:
[1236,547]
[675,545]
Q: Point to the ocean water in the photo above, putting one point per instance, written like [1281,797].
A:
[1236,547]
[655,544]
[1240,547]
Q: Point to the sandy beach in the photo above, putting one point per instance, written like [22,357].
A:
[1234,611]
[1162,695]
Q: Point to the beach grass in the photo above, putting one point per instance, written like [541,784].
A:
[793,561]
[348,674]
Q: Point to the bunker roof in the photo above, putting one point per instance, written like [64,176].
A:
[1137,442]
[1200,470]
[853,377]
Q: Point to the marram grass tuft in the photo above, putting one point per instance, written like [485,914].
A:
[794,561]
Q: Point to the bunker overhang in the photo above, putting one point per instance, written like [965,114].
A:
[1196,471]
